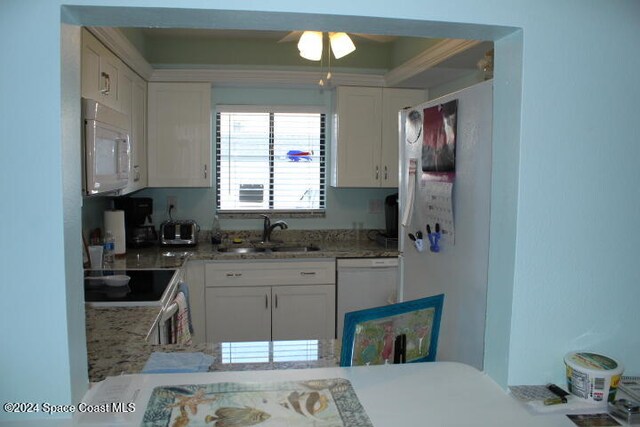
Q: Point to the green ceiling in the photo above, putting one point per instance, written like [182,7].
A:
[183,49]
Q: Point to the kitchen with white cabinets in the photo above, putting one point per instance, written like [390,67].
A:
[269,295]
[525,179]
[297,288]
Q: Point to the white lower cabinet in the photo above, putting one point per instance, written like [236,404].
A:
[238,314]
[301,312]
[270,300]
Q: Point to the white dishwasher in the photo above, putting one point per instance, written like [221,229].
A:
[364,283]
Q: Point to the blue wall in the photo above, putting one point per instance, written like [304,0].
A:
[344,205]
[565,201]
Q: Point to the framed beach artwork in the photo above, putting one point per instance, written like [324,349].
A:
[370,335]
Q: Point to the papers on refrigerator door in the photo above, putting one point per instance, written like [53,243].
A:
[437,197]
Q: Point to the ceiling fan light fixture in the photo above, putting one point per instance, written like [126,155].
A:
[310,45]
[341,44]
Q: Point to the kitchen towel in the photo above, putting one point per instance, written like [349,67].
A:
[114,222]
[180,325]
[166,363]
[182,287]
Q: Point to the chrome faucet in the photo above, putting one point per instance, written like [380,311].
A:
[268,228]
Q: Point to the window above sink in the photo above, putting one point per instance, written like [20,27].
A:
[270,159]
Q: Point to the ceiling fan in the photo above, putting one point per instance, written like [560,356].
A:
[310,43]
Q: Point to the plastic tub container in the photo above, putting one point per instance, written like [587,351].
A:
[593,377]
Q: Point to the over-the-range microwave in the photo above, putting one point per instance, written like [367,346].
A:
[106,148]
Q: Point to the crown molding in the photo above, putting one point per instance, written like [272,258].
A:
[230,77]
[113,39]
[428,59]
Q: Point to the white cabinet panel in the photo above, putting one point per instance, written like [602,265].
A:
[289,298]
[139,134]
[238,314]
[267,273]
[365,135]
[133,102]
[100,72]
[303,312]
[357,122]
[179,135]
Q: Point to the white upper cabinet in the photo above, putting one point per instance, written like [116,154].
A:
[365,135]
[133,100]
[100,72]
[179,135]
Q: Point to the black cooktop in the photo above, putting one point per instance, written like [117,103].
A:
[145,286]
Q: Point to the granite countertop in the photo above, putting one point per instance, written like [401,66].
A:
[116,336]
[116,345]
[331,244]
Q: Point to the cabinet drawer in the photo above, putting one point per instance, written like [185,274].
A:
[268,273]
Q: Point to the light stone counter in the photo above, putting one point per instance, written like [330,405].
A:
[331,244]
[116,335]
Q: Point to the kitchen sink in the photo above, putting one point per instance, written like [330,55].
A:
[295,249]
[241,250]
[252,249]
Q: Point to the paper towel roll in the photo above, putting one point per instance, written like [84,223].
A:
[114,222]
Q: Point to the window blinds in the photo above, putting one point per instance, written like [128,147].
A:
[270,160]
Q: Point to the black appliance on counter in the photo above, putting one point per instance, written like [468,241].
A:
[389,239]
[391,215]
[137,220]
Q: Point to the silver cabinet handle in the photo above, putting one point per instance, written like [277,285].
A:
[276,300]
[266,301]
[205,171]
[233,274]
[386,175]
[377,172]
[107,84]
[307,273]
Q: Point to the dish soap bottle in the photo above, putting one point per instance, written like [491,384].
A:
[216,234]
[109,249]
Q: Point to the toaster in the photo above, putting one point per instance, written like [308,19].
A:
[179,233]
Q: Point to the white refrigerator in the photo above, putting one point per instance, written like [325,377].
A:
[459,268]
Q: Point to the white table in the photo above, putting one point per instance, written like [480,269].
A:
[421,394]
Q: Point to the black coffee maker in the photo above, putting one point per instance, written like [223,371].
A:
[391,216]
[137,220]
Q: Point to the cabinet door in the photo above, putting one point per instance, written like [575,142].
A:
[100,72]
[357,135]
[139,134]
[179,135]
[238,314]
[393,100]
[90,67]
[133,103]
[303,312]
